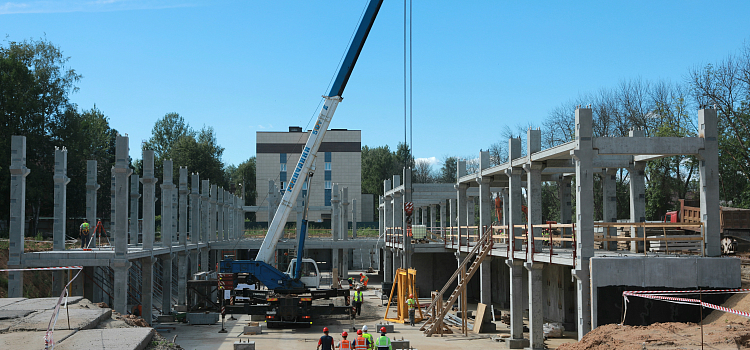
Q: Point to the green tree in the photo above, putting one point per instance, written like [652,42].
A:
[35,85]
[200,155]
[448,170]
[377,166]
[166,133]
[243,176]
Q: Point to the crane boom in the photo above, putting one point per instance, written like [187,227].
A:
[310,150]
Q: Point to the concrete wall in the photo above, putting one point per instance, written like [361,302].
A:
[433,271]
[559,295]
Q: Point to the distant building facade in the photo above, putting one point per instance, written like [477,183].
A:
[338,161]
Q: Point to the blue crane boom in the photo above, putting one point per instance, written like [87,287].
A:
[261,267]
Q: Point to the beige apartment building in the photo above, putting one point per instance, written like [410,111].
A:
[338,161]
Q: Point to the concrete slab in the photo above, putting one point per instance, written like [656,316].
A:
[7,301]
[39,303]
[79,319]
[136,338]
[30,340]
[10,314]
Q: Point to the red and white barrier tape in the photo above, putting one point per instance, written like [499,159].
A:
[44,268]
[49,342]
[659,295]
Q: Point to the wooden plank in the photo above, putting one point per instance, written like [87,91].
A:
[481,311]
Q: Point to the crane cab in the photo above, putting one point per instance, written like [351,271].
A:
[310,275]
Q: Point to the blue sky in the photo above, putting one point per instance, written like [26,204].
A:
[248,66]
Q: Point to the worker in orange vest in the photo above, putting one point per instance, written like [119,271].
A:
[361,343]
[363,279]
[344,344]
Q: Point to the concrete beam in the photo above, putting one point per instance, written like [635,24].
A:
[641,145]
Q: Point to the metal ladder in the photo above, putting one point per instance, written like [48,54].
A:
[480,250]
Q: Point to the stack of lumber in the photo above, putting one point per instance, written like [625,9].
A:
[676,245]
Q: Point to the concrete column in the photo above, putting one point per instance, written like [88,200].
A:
[149,200]
[408,250]
[182,273]
[381,216]
[61,184]
[514,194]
[166,205]
[536,305]
[505,194]
[230,205]
[91,190]
[583,155]
[471,218]
[398,223]
[534,199]
[345,213]
[120,263]
[147,287]
[453,217]
[431,223]
[345,229]
[212,214]
[398,216]
[195,208]
[461,200]
[227,218]
[709,181]
[609,207]
[443,221]
[335,212]
[388,268]
[566,205]
[516,340]
[354,218]
[205,224]
[637,197]
[220,214]
[460,260]
[183,205]
[387,208]
[134,196]
[17,227]
[485,220]
[166,283]
[61,181]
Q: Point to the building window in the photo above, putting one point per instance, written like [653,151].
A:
[328,157]
[282,167]
[282,158]
[327,175]
[304,191]
[327,198]
[328,185]
[282,176]
[328,166]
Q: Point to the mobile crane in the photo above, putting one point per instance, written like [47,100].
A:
[288,300]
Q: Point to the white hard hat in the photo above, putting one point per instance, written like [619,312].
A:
[364,328]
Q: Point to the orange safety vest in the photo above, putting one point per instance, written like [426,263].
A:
[360,344]
[345,344]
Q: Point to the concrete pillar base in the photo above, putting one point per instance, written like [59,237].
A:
[15,283]
[516,343]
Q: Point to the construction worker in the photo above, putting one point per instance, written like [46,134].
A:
[326,341]
[84,231]
[383,342]
[412,304]
[361,343]
[358,299]
[367,336]
[351,282]
[363,278]
[344,344]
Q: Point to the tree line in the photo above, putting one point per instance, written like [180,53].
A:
[36,84]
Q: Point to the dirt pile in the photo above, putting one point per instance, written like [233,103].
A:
[665,336]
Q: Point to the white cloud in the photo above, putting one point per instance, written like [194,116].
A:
[430,160]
